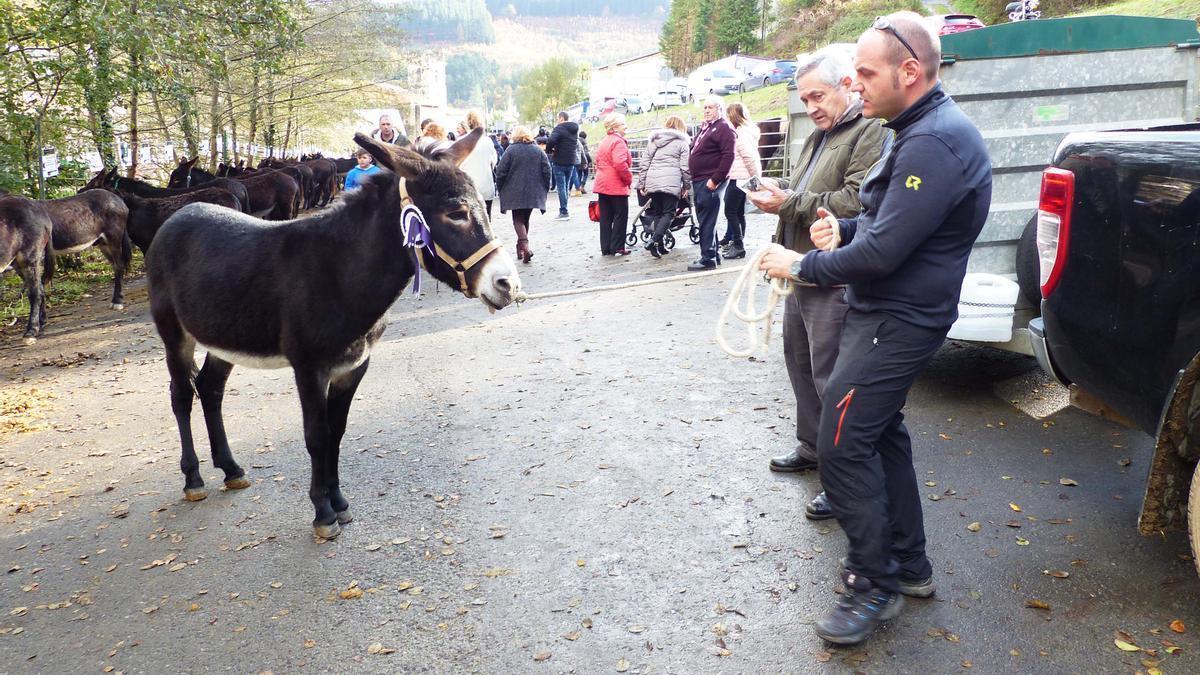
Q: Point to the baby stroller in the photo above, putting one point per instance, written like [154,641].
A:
[683,216]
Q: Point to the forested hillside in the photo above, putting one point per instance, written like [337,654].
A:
[446,20]
[577,7]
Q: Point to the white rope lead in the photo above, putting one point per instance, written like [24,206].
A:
[522,297]
[745,284]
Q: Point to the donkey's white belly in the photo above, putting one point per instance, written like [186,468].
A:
[258,362]
[77,249]
[255,361]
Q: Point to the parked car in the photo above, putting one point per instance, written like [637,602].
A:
[946,24]
[680,85]
[631,105]
[721,82]
[1117,225]
[767,74]
[665,99]
[596,111]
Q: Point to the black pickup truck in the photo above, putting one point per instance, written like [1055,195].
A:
[1118,241]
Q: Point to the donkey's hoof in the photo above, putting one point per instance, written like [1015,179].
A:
[329,531]
[118,305]
[239,483]
[344,517]
[195,494]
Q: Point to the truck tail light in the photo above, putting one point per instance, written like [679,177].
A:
[1054,225]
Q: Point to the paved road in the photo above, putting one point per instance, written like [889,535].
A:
[575,485]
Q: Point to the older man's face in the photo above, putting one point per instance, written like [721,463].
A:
[711,111]
[824,102]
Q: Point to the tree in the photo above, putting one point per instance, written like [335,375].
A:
[468,76]
[553,86]
[737,26]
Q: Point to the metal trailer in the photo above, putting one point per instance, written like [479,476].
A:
[1028,84]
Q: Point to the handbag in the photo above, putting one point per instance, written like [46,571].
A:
[594,210]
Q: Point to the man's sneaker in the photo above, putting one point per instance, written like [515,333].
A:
[913,588]
[563,216]
[860,610]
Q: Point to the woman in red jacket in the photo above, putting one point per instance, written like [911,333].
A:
[613,178]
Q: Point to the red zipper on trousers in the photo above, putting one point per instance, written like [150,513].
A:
[843,405]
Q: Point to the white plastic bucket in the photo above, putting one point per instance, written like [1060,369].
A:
[985,309]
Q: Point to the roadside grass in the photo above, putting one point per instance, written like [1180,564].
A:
[92,278]
[1179,9]
[762,104]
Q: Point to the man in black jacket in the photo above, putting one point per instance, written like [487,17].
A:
[903,260]
[562,148]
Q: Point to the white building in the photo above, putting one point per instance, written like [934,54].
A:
[639,76]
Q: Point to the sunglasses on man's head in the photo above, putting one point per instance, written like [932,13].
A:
[882,24]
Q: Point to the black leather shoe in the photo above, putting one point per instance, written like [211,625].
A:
[792,462]
[652,246]
[701,266]
[818,508]
[735,251]
[860,610]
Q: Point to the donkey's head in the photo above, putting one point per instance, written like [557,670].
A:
[103,180]
[182,175]
[457,219]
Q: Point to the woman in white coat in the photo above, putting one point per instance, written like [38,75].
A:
[746,165]
[480,165]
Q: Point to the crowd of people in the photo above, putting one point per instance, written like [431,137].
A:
[675,171]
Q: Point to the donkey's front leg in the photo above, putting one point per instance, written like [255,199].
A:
[313,386]
[341,395]
[210,387]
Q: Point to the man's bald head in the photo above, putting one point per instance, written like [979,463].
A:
[912,27]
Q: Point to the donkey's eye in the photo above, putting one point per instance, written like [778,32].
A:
[460,214]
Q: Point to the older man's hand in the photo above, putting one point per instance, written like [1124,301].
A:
[777,262]
[769,198]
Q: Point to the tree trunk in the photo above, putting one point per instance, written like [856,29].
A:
[233,137]
[135,59]
[253,117]
[214,126]
[291,108]
[162,124]
[98,99]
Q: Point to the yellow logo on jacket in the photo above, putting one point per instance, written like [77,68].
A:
[913,182]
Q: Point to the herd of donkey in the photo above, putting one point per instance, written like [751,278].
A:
[307,293]
[114,213]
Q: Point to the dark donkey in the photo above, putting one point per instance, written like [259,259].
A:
[274,195]
[25,244]
[111,180]
[311,294]
[93,218]
[147,214]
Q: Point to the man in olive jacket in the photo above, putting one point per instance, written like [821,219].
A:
[832,164]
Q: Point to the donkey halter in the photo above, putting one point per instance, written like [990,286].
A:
[460,267]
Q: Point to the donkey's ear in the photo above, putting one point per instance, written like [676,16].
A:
[401,161]
[458,152]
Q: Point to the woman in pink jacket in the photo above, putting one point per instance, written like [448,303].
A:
[746,164]
[613,178]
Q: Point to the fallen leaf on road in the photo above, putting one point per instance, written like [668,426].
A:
[1034,603]
[587,622]
[276,584]
[373,547]
[573,635]
[637,629]
[1057,574]
[1177,626]
[975,527]
[378,648]
[1126,647]
[476,458]
[176,567]
[149,610]
[824,656]
[351,593]
[1067,481]
[1022,541]
[1014,507]
[541,656]
[310,643]
[622,665]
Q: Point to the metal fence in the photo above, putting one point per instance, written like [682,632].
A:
[776,165]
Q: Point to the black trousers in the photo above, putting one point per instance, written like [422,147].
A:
[662,212]
[865,454]
[735,213]
[614,222]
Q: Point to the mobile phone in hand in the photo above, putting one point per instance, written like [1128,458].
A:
[753,185]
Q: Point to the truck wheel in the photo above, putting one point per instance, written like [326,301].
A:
[1193,510]
[1028,267]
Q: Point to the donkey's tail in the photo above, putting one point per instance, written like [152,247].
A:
[48,263]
